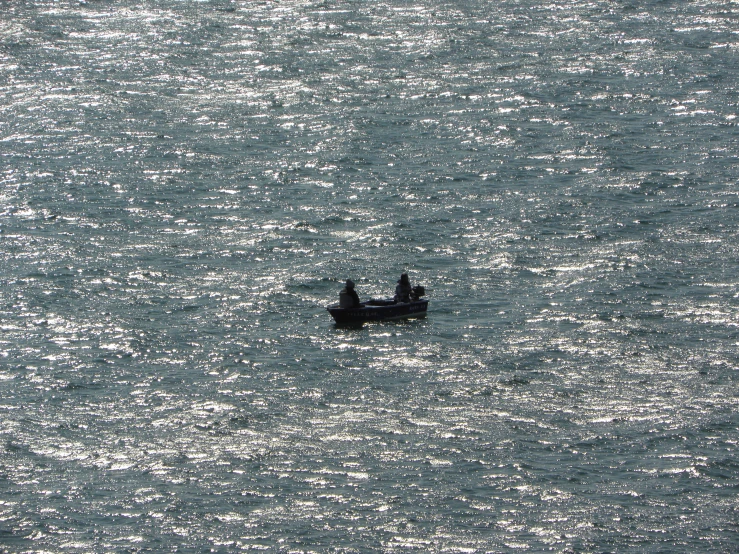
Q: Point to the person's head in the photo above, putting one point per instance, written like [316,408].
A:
[404,279]
[349,284]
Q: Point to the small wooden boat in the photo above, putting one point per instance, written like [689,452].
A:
[379,310]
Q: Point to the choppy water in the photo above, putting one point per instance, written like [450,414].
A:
[186,185]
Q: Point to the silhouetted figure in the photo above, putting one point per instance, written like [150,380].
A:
[348,297]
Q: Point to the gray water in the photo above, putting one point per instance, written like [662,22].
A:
[184,187]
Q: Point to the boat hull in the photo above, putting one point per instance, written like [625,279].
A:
[379,310]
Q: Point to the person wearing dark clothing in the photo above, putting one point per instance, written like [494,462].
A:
[348,297]
[403,289]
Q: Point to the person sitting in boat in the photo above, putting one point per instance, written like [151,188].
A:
[403,289]
[348,297]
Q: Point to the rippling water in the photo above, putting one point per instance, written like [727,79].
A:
[186,185]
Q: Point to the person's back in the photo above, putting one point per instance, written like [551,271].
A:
[348,297]
[403,289]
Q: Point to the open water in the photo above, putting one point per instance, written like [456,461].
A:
[184,187]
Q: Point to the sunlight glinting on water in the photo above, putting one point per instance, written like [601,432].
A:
[187,188]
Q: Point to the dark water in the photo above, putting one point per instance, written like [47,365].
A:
[184,186]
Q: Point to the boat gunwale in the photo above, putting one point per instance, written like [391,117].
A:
[368,312]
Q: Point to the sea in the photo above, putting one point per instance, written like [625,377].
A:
[185,186]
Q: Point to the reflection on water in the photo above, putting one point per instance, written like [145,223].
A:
[186,188]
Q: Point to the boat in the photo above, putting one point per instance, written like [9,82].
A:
[379,310]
